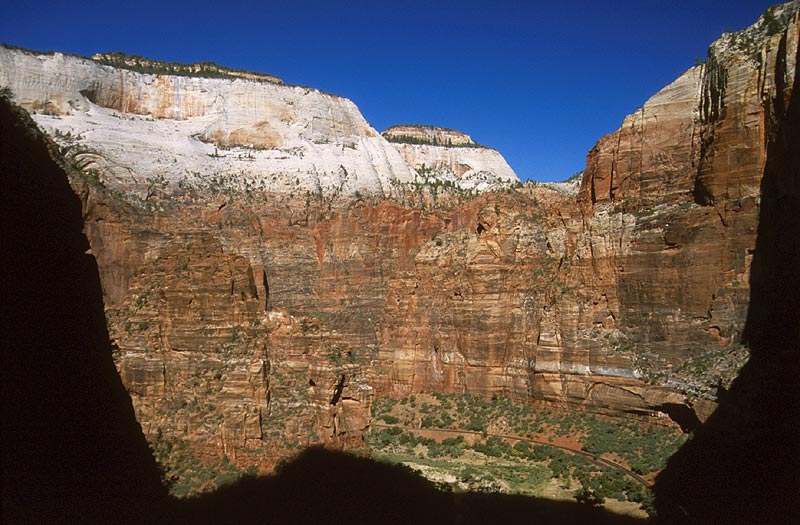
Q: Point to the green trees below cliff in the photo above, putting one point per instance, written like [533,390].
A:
[645,447]
[185,474]
[492,464]
[638,445]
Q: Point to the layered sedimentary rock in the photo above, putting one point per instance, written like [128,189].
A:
[652,158]
[418,134]
[202,131]
[259,300]
[704,136]
[451,157]
[687,167]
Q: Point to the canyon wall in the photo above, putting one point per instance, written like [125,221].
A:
[270,263]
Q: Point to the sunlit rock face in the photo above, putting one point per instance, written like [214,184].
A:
[419,134]
[451,157]
[651,159]
[645,278]
[270,263]
[704,136]
[194,130]
[681,179]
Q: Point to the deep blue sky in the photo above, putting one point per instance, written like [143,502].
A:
[539,82]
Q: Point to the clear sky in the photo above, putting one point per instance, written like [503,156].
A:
[541,82]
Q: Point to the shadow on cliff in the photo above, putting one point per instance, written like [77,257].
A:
[743,464]
[72,449]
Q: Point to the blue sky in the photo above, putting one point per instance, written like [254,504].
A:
[539,82]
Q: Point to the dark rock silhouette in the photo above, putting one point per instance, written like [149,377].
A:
[72,449]
[743,464]
[322,486]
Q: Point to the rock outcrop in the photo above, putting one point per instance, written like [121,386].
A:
[203,69]
[450,157]
[652,158]
[265,277]
[435,136]
[704,136]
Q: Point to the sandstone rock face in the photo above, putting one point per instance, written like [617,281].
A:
[258,303]
[651,159]
[450,156]
[462,166]
[406,133]
[704,136]
[273,137]
[746,87]
[687,169]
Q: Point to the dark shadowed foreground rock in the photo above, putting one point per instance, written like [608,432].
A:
[743,465]
[72,449]
[321,486]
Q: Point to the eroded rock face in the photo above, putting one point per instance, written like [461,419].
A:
[652,158]
[704,136]
[199,132]
[450,157]
[253,313]
[407,133]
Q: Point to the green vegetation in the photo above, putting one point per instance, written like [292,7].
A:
[432,193]
[645,449]
[493,464]
[141,64]
[34,52]
[487,458]
[750,40]
[422,126]
[432,141]
[637,442]
[771,24]
[464,465]
[705,373]
[185,474]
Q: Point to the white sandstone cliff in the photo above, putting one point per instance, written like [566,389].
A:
[449,155]
[138,128]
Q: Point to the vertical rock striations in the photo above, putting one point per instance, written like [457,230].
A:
[652,158]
